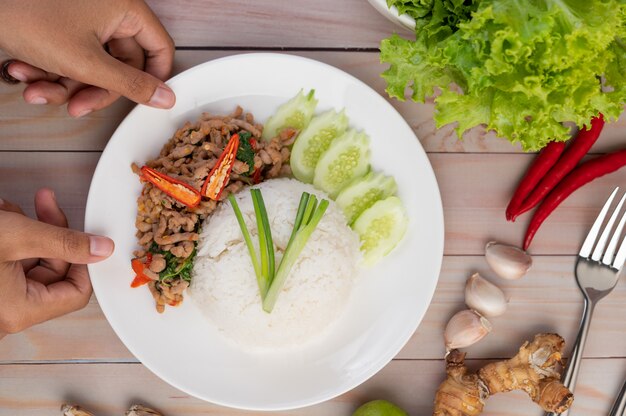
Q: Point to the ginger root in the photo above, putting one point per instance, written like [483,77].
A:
[533,369]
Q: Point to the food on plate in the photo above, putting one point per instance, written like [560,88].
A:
[379,408]
[381,227]
[364,192]
[209,161]
[168,211]
[225,286]
[346,159]
[550,167]
[315,140]
[465,328]
[294,114]
[507,261]
[534,370]
[341,167]
[270,278]
[219,176]
[522,71]
[484,297]
[583,174]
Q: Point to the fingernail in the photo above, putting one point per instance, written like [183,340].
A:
[100,246]
[163,97]
[38,100]
[1,202]
[17,74]
[84,112]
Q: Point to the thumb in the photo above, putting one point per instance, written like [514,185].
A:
[139,86]
[23,238]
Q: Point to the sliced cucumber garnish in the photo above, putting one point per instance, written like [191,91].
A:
[380,228]
[315,140]
[347,158]
[295,113]
[363,193]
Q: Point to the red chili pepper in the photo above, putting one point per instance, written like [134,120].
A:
[574,153]
[179,190]
[220,174]
[580,176]
[253,143]
[540,166]
[140,278]
[256,176]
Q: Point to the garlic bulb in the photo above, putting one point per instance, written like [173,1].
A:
[484,297]
[507,261]
[465,328]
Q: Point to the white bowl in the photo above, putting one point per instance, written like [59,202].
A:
[392,14]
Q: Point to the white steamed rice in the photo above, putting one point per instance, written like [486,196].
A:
[224,285]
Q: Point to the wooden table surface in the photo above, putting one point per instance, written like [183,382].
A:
[79,359]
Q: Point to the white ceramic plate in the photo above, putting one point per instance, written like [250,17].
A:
[388,301]
[391,13]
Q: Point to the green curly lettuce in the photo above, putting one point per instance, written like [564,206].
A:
[524,67]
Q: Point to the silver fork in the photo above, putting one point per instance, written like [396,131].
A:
[597,272]
[619,407]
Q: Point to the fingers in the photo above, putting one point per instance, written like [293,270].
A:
[59,298]
[24,238]
[48,211]
[55,93]
[44,275]
[128,51]
[10,207]
[31,302]
[90,99]
[154,39]
[130,82]
[46,92]
[27,73]
[5,205]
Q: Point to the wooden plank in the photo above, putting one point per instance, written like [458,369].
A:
[546,300]
[28,127]
[475,190]
[109,389]
[267,23]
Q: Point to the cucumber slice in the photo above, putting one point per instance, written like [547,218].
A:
[315,140]
[347,158]
[295,113]
[381,227]
[363,193]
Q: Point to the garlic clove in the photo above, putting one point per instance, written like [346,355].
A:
[141,410]
[465,328]
[484,297]
[68,410]
[507,261]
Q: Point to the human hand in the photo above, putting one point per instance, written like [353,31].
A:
[42,264]
[59,47]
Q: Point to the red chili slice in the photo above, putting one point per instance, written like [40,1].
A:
[140,278]
[179,190]
[220,174]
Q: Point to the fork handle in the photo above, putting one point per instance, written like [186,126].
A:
[573,364]
[619,407]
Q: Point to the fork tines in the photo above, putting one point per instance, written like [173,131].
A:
[607,256]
